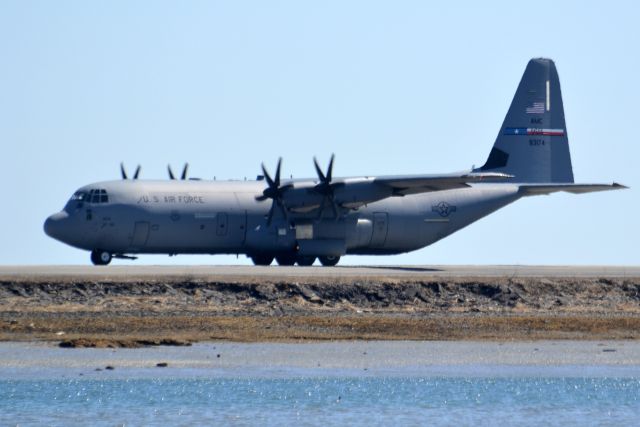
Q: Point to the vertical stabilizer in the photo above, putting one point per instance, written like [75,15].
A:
[532,143]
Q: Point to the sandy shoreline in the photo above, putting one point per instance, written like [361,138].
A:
[127,311]
[360,359]
[332,355]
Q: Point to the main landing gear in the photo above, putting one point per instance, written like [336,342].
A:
[99,257]
[305,261]
[288,259]
[329,260]
[262,259]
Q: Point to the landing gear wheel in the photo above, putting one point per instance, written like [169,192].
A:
[329,260]
[99,257]
[286,259]
[262,259]
[305,260]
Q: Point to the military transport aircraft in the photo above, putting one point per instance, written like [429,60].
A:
[299,220]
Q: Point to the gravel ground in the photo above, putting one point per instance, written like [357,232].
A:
[111,310]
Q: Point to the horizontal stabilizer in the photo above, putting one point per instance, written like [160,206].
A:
[537,189]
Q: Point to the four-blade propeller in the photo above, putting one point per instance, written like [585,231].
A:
[184,172]
[123,173]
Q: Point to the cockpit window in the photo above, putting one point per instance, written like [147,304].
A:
[93,196]
[79,196]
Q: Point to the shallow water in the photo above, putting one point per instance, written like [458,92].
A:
[321,401]
[353,383]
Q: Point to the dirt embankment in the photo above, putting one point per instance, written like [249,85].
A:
[115,313]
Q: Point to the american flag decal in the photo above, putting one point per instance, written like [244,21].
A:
[533,131]
[536,108]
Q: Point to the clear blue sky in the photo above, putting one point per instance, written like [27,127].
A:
[390,87]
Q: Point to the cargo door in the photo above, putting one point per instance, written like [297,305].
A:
[230,231]
[140,235]
[380,227]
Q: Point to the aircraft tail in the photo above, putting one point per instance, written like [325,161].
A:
[532,144]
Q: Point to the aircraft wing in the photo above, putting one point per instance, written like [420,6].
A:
[536,189]
[413,184]
[351,193]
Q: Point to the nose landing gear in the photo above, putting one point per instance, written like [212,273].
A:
[100,257]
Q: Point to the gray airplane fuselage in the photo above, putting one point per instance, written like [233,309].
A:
[217,217]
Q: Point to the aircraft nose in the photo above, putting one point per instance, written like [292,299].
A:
[53,224]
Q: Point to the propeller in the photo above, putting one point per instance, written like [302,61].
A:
[184,172]
[275,192]
[326,188]
[124,173]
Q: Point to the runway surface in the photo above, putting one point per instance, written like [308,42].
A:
[274,272]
